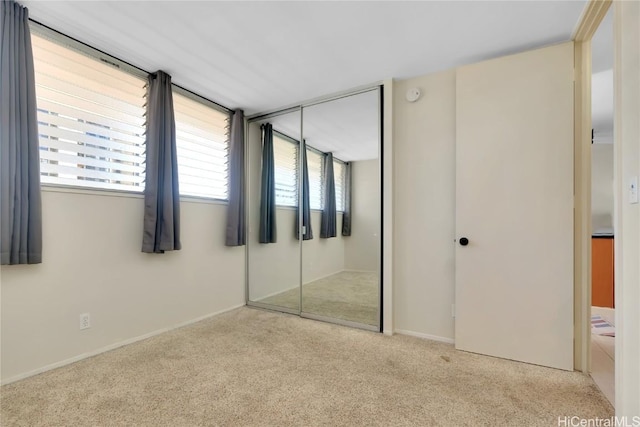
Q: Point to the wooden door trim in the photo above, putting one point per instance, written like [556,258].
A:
[593,14]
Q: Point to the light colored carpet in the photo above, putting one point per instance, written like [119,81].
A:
[347,295]
[251,367]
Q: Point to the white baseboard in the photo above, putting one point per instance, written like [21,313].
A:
[113,346]
[322,277]
[425,336]
[274,294]
[304,284]
[358,271]
[295,287]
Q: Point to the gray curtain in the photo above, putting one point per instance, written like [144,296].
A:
[328,218]
[268,232]
[161,194]
[235,210]
[306,202]
[20,203]
[346,215]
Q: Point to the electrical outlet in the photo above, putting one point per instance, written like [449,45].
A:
[453,310]
[85,321]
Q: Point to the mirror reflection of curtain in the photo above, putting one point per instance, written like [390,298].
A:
[268,232]
[346,214]
[307,233]
[328,218]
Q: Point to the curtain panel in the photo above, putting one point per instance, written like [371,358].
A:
[162,194]
[268,232]
[20,198]
[328,217]
[346,215]
[236,231]
[307,233]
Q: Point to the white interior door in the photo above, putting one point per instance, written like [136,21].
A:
[514,204]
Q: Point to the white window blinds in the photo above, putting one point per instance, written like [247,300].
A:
[339,172]
[202,136]
[286,166]
[315,165]
[90,119]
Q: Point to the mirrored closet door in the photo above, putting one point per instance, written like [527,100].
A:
[314,206]
[272,200]
[340,263]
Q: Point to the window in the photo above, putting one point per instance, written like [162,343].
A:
[315,165]
[90,119]
[339,172]
[202,136]
[286,174]
[286,166]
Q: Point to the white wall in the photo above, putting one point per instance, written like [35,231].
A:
[92,263]
[322,257]
[601,186]
[362,247]
[424,192]
[275,267]
[627,217]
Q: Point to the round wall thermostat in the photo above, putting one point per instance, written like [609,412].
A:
[413,94]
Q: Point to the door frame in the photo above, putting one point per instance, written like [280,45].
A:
[626,29]
[590,20]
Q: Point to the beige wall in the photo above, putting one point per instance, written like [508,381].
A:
[424,193]
[362,247]
[601,186]
[627,218]
[92,263]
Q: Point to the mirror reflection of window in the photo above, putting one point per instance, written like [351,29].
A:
[286,170]
[316,174]
[339,171]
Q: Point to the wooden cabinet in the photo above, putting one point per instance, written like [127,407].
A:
[602,288]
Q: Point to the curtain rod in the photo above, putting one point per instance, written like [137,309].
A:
[128,63]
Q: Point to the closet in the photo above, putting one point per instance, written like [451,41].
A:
[313,176]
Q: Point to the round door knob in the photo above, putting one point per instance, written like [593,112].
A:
[464,241]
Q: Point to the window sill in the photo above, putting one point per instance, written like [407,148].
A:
[50,188]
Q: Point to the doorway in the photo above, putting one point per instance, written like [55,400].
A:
[602,346]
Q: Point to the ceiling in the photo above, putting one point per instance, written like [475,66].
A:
[261,56]
[347,127]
